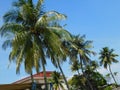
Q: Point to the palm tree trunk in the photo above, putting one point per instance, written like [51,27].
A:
[112,75]
[84,74]
[45,78]
[32,77]
[63,75]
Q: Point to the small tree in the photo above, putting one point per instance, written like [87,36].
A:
[107,57]
[57,81]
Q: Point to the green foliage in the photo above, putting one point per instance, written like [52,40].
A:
[32,34]
[77,82]
[96,79]
[56,80]
[108,88]
[75,66]
[80,50]
[107,57]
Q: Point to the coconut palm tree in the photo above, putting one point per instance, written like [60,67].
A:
[57,81]
[80,49]
[58,59]
[30,32]
[107,57]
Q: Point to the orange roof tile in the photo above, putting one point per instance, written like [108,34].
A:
[40,74]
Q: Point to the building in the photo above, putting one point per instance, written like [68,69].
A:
[38,78]
[26,83]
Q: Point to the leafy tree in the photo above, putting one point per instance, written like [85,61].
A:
[96,79]
[57,81]
[107,57]
[30,32]
[79,82]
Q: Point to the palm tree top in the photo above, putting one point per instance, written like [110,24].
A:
[107,56]
[82,47]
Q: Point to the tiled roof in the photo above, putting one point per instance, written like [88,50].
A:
[40,74]
[48,74]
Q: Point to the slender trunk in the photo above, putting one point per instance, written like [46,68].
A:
[112,75]
[33,83]
[45,78]
[84,74]
[63,76]
[32,80]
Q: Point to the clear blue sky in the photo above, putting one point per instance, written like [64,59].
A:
[99,20]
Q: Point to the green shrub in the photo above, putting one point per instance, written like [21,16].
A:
[108,88]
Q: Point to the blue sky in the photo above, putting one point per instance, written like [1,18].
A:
[99,20]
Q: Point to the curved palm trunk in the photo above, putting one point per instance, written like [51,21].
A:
[112,75]
[84,74]
[45,78]
[63,75]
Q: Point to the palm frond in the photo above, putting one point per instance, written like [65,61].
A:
[19,3]
[107,56]
[7,43]
[62,34]
[13,16]
[49,18]
[11,28]
[53,15]
[39,4]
